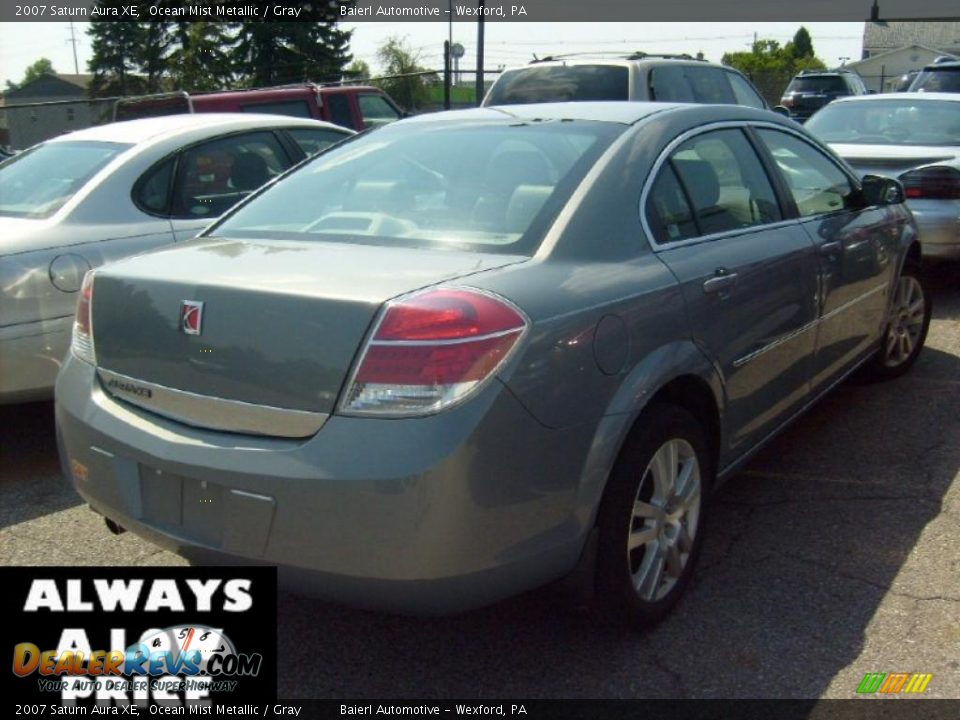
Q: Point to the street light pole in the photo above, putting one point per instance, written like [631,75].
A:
[480,78]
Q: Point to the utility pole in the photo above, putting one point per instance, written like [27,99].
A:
[73,41]
[480,76]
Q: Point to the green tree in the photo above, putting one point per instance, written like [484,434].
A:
[41,67]
[400,66]
[771,67]
[201,57]
[802,45]
[313,49]
[116,49]
[357,70]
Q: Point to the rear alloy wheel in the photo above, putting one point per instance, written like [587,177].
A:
[651,517]
[907,326]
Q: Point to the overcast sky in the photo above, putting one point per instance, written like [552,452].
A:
[506,43]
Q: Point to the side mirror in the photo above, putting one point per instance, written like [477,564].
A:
[781,110]
[879,190]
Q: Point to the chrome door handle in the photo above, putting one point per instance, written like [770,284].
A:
[720,282]
[831,248]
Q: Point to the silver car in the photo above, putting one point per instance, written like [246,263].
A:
[474,352]
[914,137]
[82,199]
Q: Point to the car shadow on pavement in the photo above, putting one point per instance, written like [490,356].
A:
[31,484]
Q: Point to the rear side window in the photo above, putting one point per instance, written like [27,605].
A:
[340,114]
[818,186]
[670,84]
[560,83]
[293,108]
[214,176]
[710,85]
[721,179]
[744,92]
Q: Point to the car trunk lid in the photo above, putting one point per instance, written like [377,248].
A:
[279,326]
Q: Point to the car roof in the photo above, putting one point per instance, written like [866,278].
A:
[613,111]
[144,130]
[952,97]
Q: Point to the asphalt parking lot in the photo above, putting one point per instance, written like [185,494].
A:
[833,554]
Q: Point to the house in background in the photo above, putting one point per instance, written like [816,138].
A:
[882,72]
[892,48]
[29,117]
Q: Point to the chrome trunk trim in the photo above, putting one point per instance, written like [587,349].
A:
[212,413]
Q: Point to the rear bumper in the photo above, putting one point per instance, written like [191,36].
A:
[430,515]
[938,222]
[30,358]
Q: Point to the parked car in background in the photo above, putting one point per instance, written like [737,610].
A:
[905,81]
[82,199]
[459,357]
[812,89]
[914,137]
[637,77]
[357,107]
[941,76]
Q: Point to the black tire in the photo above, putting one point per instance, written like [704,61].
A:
[905,328]
[635,477]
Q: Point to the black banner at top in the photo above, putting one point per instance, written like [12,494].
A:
[470,10]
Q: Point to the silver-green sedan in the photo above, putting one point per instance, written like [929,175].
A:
[474,352]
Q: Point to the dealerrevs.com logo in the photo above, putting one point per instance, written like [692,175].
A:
[142,636]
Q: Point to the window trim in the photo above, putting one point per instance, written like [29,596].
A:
[744,126]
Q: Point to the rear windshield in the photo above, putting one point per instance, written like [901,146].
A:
[488,187]
[822,84]
[558,83]
[943,79]
[889,122]
[38,182]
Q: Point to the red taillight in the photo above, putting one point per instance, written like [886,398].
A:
[432,350]
[932,183]
[82,343]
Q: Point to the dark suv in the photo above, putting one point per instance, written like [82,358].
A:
[638,77]
[941,76]
[812,89]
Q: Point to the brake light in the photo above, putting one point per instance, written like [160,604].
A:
[82,343]
[432,350]
[932,183]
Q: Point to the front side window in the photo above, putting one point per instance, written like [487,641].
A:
[214,176]
[941,79]
[719,177]
[152,192]
[817,185]
[485,187]
[38,182]
[376,110]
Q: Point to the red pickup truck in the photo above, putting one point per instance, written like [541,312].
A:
[354,106]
